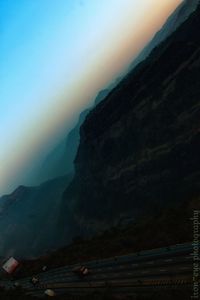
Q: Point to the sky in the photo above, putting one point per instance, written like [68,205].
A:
[55,56]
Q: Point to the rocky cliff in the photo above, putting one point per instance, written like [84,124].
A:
[139,148]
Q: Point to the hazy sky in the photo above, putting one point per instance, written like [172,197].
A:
[55,55]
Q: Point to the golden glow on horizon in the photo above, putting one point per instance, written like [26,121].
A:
[106,63]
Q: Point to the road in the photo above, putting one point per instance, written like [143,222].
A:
[169,267]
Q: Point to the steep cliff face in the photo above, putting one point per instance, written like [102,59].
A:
[139,148]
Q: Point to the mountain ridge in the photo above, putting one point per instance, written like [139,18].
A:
[29,218]
[181,13]
[139,148]
[137,128]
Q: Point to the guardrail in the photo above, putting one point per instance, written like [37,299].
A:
[167,267]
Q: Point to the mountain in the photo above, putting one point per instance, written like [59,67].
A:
[174,21]
[29,219]
[139,148]
[61,160]
[30,216]
[138,154]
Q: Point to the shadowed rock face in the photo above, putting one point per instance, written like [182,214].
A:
[29,220]
[139,148]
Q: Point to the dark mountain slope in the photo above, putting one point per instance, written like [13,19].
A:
[29,218]
[139,148]
[174,21]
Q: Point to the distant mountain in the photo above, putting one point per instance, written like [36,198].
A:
[174,21]
[139,148]
[29,219]
[61,160]
[30,216]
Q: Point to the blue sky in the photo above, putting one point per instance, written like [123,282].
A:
[55,55]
